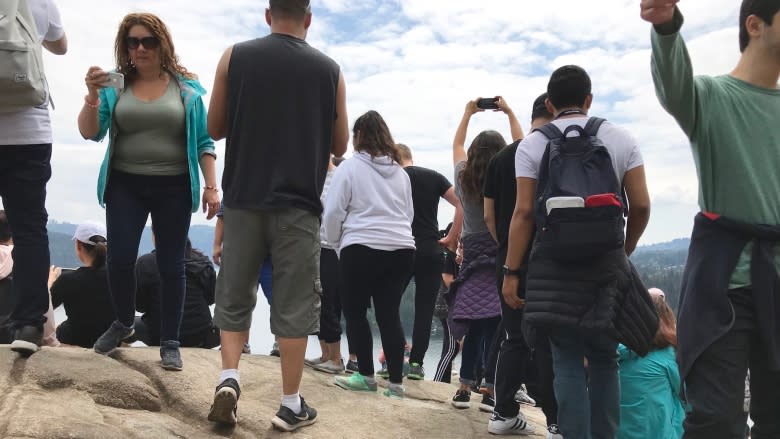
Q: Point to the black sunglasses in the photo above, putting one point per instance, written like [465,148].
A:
[149,43]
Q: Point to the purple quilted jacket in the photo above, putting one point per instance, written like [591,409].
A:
[473,294]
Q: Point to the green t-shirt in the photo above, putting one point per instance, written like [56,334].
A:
[152,138]
[734,130]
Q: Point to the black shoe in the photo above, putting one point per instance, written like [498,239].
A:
[225,407]
[275,350]
[352,367]
[27,340]
[287,420]
[114,335]
[462,399]
[488,403]
[170,356]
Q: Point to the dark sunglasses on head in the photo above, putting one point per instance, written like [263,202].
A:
[148,42]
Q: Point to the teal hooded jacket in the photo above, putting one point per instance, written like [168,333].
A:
[650,405]
[198,140]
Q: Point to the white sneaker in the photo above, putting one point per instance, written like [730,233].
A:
[522,396]
[330,366]
[553,432]
[516,425]
[311,362]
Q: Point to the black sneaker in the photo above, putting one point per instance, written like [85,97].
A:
[170,357]
[275,350]
[27,340]
[225,407]
[488,403]
[461,399]
[287,420]
[114,335]
[352,367]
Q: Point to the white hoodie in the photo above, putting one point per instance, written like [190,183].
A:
[369,202]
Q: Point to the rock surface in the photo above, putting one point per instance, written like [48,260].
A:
[75,393]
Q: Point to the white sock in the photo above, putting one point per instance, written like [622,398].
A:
[292,402]
[229,373]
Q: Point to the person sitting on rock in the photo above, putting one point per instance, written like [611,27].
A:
[84,292]
[196,328]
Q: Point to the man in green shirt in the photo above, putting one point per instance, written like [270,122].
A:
[734,131]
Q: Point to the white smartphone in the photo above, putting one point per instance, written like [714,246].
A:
[115,80]
[564,203]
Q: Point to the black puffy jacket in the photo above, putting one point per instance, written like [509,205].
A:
[604,295]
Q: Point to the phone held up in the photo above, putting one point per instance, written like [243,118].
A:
[488,104]
[115,80]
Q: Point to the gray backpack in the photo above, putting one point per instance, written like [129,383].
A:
[22,82]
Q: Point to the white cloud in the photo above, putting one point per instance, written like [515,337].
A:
[417,62]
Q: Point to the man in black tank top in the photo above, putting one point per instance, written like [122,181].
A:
[281,106]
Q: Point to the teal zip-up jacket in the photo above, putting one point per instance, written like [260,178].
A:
[650,405]
[198,140]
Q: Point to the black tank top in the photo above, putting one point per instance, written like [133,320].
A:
[280,115]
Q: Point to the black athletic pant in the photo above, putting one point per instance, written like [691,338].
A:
[512,356]
[715,386]
[449,350]
[330,312]
[380,275]
[428,265]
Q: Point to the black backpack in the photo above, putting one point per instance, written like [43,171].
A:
[578,166]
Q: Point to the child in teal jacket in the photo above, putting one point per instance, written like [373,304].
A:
[650,405]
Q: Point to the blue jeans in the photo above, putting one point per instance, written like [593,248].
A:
[476,347]
[24,172]
[588,406]
[130,199]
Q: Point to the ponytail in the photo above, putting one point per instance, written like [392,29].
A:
[97,251]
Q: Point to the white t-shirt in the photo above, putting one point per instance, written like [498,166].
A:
[619,142]
[33,126]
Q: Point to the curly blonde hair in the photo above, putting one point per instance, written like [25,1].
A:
[169,60]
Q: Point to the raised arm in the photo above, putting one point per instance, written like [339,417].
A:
[514,125]
[459,143]
[671,65]
[217,116]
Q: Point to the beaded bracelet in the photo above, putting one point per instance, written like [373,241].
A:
[89,104]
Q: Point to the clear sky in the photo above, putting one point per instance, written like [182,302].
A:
[417,62]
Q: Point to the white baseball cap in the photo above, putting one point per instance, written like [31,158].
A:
[656,292]
[85,231]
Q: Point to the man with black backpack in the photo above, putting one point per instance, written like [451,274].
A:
[580,286]
[25,154]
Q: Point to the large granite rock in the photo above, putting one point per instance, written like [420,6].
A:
[75,393]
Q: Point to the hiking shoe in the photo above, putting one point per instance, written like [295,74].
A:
[352,367]
[288,420]
[383,373]
[395,391]
[275,352]
[355,382]
[516,425]
[416,372]
[330,366]
[27,340]
[170,356]
[225,407]
[461,399]
[488,403]
[311,362]
[553,432]
[114,335]
[522,397]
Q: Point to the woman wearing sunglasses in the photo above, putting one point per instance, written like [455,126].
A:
[157,138]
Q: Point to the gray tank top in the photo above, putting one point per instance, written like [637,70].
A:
[151,138]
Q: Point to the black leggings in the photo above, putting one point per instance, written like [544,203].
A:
[428,265]
[380,275]
[330,311]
